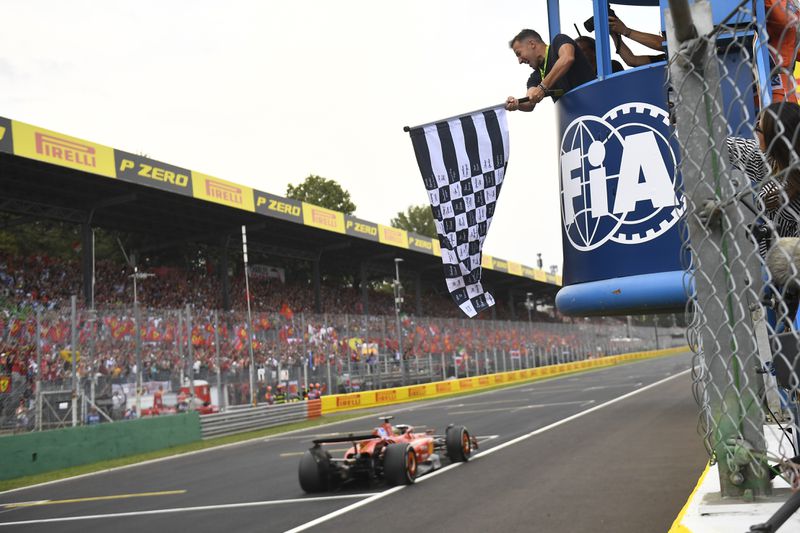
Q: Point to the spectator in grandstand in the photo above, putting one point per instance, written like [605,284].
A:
[559,65]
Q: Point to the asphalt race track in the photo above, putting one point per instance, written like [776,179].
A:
[610,450]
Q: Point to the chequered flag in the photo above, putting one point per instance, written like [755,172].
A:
[463,161]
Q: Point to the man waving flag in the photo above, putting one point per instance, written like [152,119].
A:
[463,161]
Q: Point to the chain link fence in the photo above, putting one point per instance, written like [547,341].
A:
[737,123]
[293,355]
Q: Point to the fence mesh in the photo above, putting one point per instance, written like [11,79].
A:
[737,123]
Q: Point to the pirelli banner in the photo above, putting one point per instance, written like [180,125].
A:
[37,143]
[362,400]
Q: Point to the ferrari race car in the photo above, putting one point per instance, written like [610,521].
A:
[394,454]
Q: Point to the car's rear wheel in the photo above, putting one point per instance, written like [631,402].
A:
[400,464]
[314,471]
[458,443]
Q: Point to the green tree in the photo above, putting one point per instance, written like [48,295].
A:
[417,218]
[322,192]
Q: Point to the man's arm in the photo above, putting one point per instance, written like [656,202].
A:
[512,104]
[629,58]
[566,57]
[650,40]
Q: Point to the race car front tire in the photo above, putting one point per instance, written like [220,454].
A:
[458,443]
[400,464]
[314,471]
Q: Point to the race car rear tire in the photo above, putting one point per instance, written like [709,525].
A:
[314,471]
[400,464]
[458,443]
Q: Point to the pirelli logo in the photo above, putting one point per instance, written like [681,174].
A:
[385,396]
[483,381]
[444,387]
[223,192]
[2,132]
[323,219]
[348,401]
[416,392]
[65,150]
[465,384]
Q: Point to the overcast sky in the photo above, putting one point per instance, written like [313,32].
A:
[266,93]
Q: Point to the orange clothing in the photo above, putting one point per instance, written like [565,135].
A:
[783,17]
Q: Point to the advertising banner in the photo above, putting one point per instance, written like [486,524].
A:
[62,150]
[360,228]
[222,192]
[618,172]
[6,142]
[278,207]
[150,173]
[421,244]
[319,217]
[393,236]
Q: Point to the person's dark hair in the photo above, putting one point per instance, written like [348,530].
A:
[780,122]
[588,40]
[524,35]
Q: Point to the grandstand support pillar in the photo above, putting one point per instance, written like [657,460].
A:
[511,306]
[418,291]
[87,263]
[364,291]
[316,282]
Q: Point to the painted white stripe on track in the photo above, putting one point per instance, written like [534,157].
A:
[187,509]
[499,447]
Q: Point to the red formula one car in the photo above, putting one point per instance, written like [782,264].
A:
[394,454]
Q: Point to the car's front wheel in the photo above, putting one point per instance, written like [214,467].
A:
[458,443]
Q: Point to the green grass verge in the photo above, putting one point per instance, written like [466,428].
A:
[167,452]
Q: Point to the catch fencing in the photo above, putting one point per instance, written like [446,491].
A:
[166,351]
[740,172]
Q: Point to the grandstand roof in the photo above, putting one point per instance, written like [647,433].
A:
[48,175]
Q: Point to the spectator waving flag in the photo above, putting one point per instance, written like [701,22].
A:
[463,162]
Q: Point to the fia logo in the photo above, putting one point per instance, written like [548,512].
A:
[618,177]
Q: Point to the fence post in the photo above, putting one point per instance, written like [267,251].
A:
[74,357]
[444,369]
[223,400]
[38,369]
[718,282]
[190,355]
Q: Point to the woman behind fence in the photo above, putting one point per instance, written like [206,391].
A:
[773,165]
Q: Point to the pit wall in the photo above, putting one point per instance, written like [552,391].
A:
[359,400]
[26,454]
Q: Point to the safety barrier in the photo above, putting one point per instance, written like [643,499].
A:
[360,400]
[264,416]
[33,453]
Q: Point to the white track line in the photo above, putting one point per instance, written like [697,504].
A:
[185,509]
[499,447]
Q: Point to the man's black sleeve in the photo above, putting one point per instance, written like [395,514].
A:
[534,79]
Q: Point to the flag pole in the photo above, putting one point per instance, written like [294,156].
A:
[554,92]
[253,398]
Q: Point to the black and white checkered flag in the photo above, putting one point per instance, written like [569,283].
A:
[463,162]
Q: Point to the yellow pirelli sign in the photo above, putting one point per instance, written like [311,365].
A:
[319,217]
[487,261]
[393,236]
[62,150]
[223,192]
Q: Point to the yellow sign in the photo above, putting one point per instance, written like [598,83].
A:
[393,236]
[514,268]
[486,261]
[222,192]
[62,150]
[437,248]
[5,384]
[539,275]
[319,217]
[2,132]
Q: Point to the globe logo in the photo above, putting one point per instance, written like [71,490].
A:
[618,177]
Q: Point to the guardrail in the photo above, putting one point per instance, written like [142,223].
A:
[261,417]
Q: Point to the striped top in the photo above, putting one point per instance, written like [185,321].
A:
[746,155]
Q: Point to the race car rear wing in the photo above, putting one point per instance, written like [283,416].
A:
[348,438]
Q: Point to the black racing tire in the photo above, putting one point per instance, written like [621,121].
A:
[458,443]
[399,464]
[314,471]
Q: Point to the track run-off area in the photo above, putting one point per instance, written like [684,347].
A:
[614,449]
